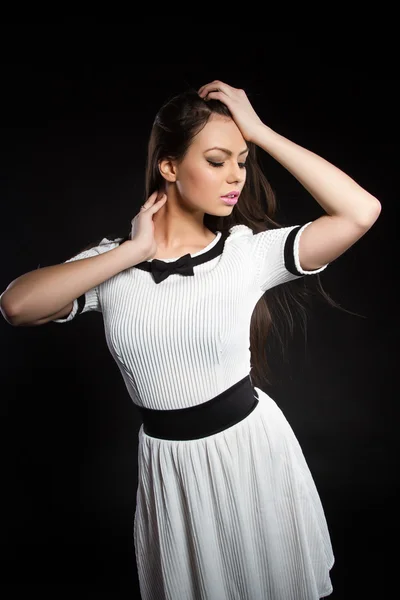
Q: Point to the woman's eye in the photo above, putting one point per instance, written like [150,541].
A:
[217,164]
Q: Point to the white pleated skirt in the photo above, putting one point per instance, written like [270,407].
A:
[232,516]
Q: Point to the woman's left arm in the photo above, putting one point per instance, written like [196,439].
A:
[351,210]
[336,192]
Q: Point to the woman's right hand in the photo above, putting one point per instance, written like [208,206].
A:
[142,231]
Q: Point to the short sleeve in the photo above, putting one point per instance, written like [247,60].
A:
[90,300]
[276,256]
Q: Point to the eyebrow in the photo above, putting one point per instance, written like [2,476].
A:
[229,152]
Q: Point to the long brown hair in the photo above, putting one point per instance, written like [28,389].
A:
[177,122]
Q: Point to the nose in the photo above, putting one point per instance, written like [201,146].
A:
[236,174]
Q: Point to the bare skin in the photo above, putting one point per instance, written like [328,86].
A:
[193,249]
[194,187]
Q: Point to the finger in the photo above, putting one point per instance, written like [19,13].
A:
[150,201]
[154,197]
[214,86]
[206,88]
[217,83]
[161,201]
[216,96]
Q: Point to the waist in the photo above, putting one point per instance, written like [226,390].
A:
[224,410]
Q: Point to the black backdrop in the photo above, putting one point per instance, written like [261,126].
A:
[74,129]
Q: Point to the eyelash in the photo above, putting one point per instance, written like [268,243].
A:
[215,164]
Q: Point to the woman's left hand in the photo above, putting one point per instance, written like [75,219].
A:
[236,100]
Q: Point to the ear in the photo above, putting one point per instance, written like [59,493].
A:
[168,169]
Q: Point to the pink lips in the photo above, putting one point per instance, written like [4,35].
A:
[232,200]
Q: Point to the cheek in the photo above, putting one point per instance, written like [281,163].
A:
[196,181]
[204,176]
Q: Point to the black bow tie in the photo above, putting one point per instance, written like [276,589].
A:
[161,270]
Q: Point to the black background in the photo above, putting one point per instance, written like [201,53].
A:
[77,104]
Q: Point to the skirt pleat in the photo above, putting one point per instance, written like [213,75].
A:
[232,516]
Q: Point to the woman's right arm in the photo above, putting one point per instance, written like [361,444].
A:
[42,293]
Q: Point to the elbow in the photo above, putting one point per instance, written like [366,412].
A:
[371,215]
[7,311]
[10,319]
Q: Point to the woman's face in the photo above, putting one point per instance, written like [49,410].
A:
[207,173]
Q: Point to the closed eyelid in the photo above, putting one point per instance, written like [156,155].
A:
[215,163]
[226,158]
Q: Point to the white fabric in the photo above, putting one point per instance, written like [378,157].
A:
[235,515]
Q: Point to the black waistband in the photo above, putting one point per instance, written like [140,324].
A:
[207,418]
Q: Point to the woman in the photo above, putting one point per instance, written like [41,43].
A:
[226,505]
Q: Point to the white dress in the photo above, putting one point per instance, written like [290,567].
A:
[235,515]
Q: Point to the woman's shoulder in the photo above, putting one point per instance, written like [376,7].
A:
[104,244]
[112,241]
[239,231]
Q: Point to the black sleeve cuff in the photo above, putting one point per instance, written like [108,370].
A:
[289,252]
[81,304]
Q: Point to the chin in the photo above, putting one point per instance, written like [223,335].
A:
[222,210]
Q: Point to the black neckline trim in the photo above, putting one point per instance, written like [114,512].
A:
[218,248]
[195,260]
